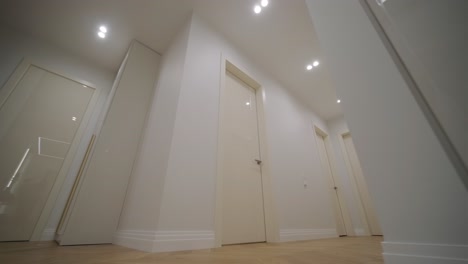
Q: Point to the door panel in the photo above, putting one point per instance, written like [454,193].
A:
[341,229]
[369,211]
[39,120]
[243,215]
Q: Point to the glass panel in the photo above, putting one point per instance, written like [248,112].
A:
[37,125]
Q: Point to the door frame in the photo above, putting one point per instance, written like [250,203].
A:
[271,227]
[349,228]
[354,184]
[6,91]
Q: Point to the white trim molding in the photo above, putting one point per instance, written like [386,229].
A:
[420,253]
[361,232]
[164,241]
[287,235]
[48,234]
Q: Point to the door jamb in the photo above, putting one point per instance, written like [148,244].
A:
[271,228]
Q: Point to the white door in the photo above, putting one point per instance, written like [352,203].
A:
[243,216]
[325,160]
[364,197]
[38,121]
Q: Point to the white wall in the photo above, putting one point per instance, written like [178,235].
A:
[421,202]
[294,159]
[97,204]
[14,46]
[429,34]
[187,209]
[147,182]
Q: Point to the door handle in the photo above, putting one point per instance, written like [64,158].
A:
[258,161]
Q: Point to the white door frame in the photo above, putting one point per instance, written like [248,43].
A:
[5,92]
[356,192]
[271,228]
[341,201]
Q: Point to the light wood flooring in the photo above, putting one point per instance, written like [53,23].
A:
[347,250]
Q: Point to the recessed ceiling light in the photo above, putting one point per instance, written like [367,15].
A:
[309,67]
[257,9]
[248,103]
[101,34]
[381,2]
[103,29]
[338,101]
[316,63]
[264,3]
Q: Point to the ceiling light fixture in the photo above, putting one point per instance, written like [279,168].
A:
[338,101]
[103,29]
[381,2]
[257,9]
[316,63]
[264,3]
[309,67]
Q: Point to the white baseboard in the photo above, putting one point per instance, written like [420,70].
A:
[165,241]
[48,234]
[418,253]
[306,234]
[360,232]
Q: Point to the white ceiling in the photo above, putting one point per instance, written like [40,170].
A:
[281,39]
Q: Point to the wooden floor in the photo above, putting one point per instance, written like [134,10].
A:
[348,250]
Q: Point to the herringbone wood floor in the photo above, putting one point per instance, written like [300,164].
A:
[348,250]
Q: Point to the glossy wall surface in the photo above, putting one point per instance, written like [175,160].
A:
[39,120]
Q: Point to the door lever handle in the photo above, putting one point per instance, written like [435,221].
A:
[258,161]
